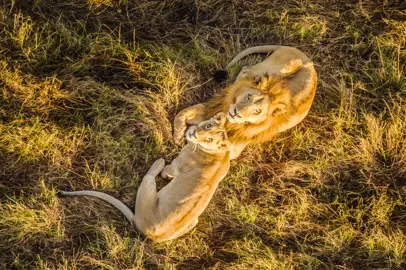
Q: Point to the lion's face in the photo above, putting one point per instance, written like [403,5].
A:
[251,106]
[210,134]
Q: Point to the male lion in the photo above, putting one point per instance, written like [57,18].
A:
[256,112]
[196,172]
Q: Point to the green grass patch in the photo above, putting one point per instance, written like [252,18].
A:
[89,90]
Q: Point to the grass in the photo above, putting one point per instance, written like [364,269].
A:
[89,90]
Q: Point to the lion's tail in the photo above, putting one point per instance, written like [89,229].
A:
[105,197]
[222,75]
[251,50]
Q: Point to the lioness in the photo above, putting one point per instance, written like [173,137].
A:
[196,172]
[255,112]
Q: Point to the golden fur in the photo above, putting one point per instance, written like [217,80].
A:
[252,132]
[288,80]
[195,173]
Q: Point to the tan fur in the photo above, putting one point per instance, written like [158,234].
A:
[287,77]
[195,173]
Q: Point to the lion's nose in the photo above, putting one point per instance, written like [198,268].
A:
[236,112]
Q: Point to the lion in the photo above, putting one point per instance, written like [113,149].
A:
[266,99]
[195,174]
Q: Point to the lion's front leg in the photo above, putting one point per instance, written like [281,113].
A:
[190,116]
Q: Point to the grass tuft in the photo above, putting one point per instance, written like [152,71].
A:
[89,90]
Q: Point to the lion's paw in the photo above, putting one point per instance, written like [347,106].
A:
[156,167]
[165,174]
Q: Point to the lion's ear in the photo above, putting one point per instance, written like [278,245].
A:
[256,79]
[224,145]
[262,82]
[221,119]
[278,109]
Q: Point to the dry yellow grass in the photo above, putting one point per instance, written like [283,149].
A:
[88,93]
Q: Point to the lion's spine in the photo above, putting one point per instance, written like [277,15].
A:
[105,197]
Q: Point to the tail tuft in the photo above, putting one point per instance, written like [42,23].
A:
[61,193]
[221,75]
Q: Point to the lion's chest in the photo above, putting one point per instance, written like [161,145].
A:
[187,161]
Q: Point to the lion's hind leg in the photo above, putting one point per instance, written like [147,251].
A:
[147,193]
[184,230]
[286,61]
[147,199]
[156,168]
[243,73]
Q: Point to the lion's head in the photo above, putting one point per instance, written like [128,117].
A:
[256,101]
[211,134]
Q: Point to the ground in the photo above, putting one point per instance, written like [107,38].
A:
[89,92]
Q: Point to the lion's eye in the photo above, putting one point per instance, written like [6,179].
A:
[249,97]
[209,140]
[258,111]
[208,126]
